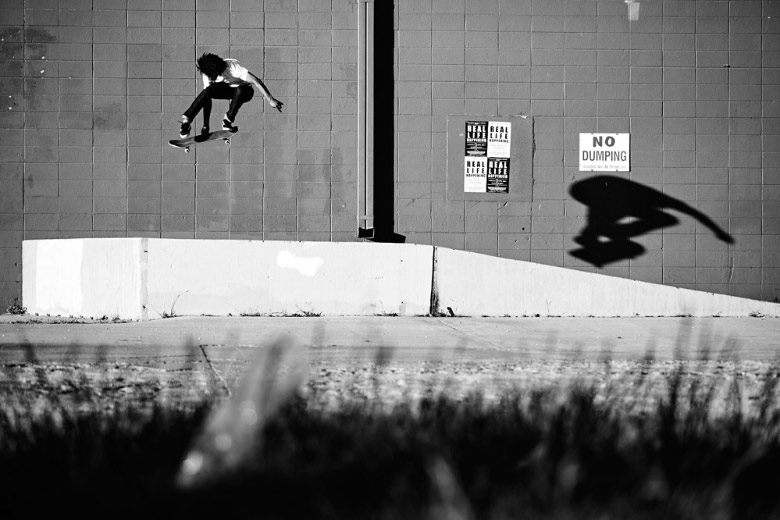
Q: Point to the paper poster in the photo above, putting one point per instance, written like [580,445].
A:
[487,152]
[476,138]
[499,139]
[475,175]
[498,175]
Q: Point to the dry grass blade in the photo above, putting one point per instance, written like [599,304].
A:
[232,433]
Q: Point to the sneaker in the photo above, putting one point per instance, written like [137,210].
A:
[228,125]
[204,130]
[185,129]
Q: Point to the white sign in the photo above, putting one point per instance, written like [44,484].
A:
[605,152]
[475,175]
[499,141]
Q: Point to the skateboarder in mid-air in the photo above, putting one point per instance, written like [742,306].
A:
[223,79]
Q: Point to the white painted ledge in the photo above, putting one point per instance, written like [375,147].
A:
[96,277]
[139,278]
[480,285]
[251,277]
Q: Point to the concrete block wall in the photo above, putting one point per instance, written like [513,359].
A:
[92,89]
[695,82]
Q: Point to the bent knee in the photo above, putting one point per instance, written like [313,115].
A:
[246,92]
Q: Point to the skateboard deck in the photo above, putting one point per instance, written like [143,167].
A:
[202,138]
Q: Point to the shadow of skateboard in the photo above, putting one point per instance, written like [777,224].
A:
[202,138]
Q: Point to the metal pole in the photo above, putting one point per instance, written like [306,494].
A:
[365,184]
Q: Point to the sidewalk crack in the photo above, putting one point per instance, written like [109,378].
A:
[214,370]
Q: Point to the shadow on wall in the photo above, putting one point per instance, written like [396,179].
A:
[619,209]
[384,126]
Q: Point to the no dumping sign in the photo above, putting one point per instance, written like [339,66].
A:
[605,152]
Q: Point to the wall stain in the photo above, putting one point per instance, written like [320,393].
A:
[36,51]
[35,48]
[12,51]
[33,34]
[107,120]
[352,89]
[11,34]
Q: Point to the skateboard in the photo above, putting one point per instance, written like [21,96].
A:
[202,138]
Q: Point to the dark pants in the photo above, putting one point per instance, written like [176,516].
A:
[237,96]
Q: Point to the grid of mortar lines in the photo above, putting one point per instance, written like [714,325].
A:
[764,194]
[630,119]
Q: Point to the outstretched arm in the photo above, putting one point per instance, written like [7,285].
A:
[258,83]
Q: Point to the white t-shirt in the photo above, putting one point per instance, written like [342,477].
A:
[234,75]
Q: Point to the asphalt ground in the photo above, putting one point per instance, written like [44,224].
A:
[410,338]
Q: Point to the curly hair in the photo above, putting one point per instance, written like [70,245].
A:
[211,65]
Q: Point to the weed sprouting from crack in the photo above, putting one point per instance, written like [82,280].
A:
[15,307]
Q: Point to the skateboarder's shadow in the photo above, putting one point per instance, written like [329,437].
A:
[619,209]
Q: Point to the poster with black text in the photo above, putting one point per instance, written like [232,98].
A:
[499,139]
[475,178]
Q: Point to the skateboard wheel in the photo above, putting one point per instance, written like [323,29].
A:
[227,141]
[187,150]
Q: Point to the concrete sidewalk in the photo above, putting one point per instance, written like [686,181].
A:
[390,358]
[419,338]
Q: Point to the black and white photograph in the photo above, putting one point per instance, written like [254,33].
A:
[390,259]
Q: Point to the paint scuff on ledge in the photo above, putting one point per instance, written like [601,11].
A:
[305,266]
